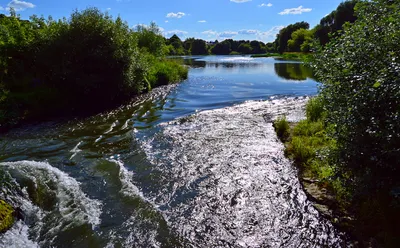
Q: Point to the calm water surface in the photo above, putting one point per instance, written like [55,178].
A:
[192,165]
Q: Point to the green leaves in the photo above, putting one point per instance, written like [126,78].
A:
[359,71]
[376,85]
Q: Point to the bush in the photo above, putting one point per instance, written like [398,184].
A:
[86,63]
[359,71]
[282,128]
[315,109]
[164,72]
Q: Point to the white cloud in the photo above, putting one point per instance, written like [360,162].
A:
[265,5]
[177,32]
[18,5]
[295,11]
[240,1]
[248,32]
[108,9]
[166,21]
[269,35]
[202,21]
[210,32]
[175,15]
[227,34]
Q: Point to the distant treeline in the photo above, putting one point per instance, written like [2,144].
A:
[296,37]
[88,62]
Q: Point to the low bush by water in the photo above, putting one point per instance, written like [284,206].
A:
[88,62]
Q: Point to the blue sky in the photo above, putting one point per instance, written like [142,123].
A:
[206,19]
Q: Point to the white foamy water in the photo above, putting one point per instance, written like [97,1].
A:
[71,206]
[228,183]
[17,236]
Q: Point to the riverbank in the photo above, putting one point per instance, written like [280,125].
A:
[285,56]
[77,66]
[308,146]
[312,151]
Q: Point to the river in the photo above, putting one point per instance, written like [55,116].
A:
[195,164]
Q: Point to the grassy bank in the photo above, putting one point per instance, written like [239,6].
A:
[308,144]
[368,219]
[285,56]
[79,65]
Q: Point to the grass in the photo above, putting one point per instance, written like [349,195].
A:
[282,128]
[309,146]
[165,72]
[6,216]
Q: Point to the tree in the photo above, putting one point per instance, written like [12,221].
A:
[221,48]
[301,40]
[286,33]
[334,22]
[177,45]
[244,48]
[198,47]
[359,71]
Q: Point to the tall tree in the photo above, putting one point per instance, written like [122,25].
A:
[286,33]
[335,20]
[198,47]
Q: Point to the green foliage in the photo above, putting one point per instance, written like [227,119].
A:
[334,21]
[301,40]
[359,71]
[282,128]
[198,47]
[166,71]
[150,39]
[6,216]
[285,35]
[175,46]
[361,90]
[245,48]
[222,48]
[315,109]
[72,66]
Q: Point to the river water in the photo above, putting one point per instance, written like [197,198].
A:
[191,165]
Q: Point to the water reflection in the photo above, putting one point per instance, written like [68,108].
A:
[293,71]
[288,70]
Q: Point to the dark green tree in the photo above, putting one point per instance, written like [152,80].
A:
[285,35]
[221,48]
[360,75]
[198,47]
[244,48]
[335,21]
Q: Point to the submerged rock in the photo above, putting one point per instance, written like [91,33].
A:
[6,216]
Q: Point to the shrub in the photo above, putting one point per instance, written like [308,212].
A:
[315,109]
[359,71]
[282,128]
[86,63]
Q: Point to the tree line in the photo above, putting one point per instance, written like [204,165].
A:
[297,37]
[192,46]
[88,62]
